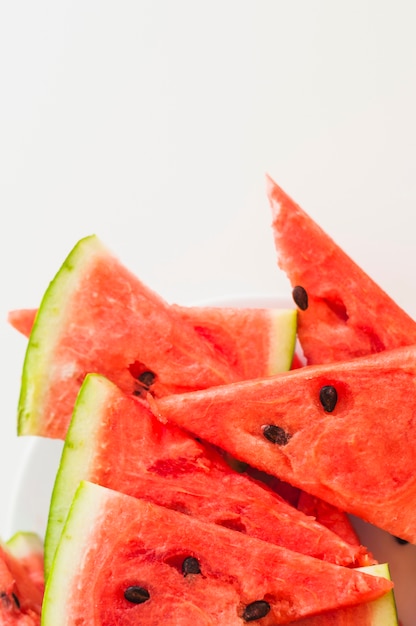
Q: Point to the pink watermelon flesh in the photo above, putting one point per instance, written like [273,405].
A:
[359,457]
[27,548]
[329,516]
[184,570]
[21,589]
[347,313]
[22,320]
[96,316]
[247,338]
[115,441]
[235,331]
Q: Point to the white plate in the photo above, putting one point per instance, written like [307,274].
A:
[31,502]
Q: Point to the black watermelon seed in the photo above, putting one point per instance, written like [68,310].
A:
[300,297]
[16,600]
[256,610]
[5,600]
[136,595]
[328,397]
[276,434]
[147,378]
[190,565]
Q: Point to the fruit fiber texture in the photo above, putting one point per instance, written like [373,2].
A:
[21,580]
[97,316]
[359,457]
[115,441]
[255,341]
[347,313]
[126,547]
[381,612]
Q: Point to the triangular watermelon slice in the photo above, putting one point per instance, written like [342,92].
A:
[255,341]
[342,312]
[142,563]
[345,432]
[115,441]
[96,316]
[381,612]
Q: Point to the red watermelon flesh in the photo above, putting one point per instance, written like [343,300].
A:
[27,548]
[254,341]
[247,336]
[347,313]
[22,320]
[328,515]
[96,316]
[152,565]
[359,457]
[380,612]
[21,583]
[115,441]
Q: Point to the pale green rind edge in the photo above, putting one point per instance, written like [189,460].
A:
[77,456]
[88,505]
[24,543]
[384,610]
[282,339]
[43,339]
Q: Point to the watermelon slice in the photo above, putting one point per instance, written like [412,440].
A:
[21,581]
[261,342]
[356,453]
[147,564]
[342,312]
[256,341]
[115,441]
[381,612]
[96,316]
[28,549]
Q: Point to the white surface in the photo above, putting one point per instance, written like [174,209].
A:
[153,123]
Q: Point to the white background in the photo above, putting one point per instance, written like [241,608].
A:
[153,124]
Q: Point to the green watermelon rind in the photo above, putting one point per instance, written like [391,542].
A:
[25,543]
[384,610]
[69,565]
[77,440]
[282,339]
[39,353]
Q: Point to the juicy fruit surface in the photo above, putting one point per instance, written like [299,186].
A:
[381,612]
[96,316]
[335,451]
[115,441]
[334,455]
[148,550]
[92,290]
[347,314]
[255,341]
[21,580]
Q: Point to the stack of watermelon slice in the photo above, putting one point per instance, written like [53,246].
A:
[205,479]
